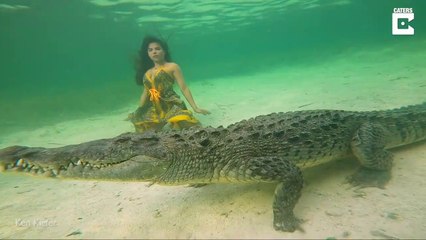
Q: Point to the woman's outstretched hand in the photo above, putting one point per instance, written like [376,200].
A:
[202,111]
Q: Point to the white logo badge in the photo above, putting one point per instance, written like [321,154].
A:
[401,18]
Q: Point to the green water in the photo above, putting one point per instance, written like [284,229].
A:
[64,60]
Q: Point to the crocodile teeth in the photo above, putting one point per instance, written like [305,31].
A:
[79,162]
[28,168]
[46,174]
[40,171]
[19,162]
[70,165]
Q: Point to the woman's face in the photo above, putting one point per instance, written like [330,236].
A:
[156,52]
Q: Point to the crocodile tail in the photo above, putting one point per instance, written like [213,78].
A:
[408,123]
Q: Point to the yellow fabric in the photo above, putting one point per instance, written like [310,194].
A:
[153,92]
[154,95]
[179,118]
[142,123]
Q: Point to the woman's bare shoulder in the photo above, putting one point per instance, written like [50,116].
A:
[172,68]
[172,65]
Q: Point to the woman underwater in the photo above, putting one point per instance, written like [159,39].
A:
[159,103]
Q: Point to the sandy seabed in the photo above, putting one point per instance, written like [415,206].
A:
[37,207]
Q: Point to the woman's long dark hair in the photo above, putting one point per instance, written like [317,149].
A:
[143,63]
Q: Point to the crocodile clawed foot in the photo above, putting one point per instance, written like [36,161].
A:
[288,223]
[365,177]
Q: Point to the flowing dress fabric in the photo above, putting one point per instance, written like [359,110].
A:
[164,105]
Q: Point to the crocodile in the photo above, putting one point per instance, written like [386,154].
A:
[272,148]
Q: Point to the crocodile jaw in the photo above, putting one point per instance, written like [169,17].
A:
[140,167]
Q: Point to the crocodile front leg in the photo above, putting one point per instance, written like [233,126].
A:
[288,191]
[368,145]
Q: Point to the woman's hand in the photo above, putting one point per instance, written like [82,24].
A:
[202,111]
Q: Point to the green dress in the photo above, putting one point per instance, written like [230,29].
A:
[164,105]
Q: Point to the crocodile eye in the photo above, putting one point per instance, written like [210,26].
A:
[201,134]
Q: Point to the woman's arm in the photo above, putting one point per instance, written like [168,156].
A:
[133,116]
[177,73]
